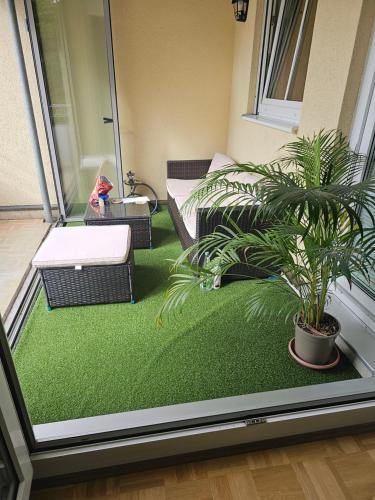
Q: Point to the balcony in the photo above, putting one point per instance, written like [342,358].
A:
[142,87]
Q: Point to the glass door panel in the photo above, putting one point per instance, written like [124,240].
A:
[8,478]
[368,286]
[16,471]
[73,50]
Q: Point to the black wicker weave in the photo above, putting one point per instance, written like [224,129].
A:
[208,224]
[103,284]
[138,217]
[187,169]
[141,229]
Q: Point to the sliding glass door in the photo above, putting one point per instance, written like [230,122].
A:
[363,141]
[8,477]
[15,466]
[369,287]
[72,43]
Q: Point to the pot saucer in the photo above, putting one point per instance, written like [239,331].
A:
[334,361]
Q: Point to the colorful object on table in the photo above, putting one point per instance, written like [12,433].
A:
[102,187]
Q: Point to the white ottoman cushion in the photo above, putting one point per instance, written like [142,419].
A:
[84,246]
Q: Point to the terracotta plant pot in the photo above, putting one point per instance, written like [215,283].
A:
[315,349]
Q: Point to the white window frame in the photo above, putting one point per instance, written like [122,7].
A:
[277,109]
[14,440]
[361,136]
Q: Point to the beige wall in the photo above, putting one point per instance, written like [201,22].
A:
[341,35]
[184,78]
[173,70]
[18,184]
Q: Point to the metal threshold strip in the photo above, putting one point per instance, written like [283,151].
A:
[249,407]
[267,419]
[193,439]
[22,306]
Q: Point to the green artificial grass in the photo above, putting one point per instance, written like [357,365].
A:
[93,360]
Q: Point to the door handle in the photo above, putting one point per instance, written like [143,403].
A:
[107,120]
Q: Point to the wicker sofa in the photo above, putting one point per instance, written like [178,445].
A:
[191,228]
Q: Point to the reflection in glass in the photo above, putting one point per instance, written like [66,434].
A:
[290,40]
[74,56]
[366,220]
[8,477]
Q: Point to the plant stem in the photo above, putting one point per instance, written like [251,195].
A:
[323,296]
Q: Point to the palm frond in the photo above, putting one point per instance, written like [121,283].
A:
[178,292]
[310,206]
[321,184]
[275,296]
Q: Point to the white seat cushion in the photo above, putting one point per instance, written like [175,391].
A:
[231,200]
[181,187]
[180,200]
[190,222]
[85,246]
[243,177]
[181,194]
[189,216]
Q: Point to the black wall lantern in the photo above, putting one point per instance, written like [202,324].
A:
[240,8]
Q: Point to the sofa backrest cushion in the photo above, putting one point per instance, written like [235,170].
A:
[220,161]
[181,187]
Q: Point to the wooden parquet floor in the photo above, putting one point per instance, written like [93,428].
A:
[334,469]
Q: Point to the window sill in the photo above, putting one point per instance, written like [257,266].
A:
[283,125]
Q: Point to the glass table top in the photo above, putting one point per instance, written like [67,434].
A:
[118,211]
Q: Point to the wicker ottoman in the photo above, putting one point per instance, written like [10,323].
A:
[86,265]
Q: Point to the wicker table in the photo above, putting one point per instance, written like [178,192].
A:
[138,217]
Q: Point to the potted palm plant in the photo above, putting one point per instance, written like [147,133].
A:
[312,202]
